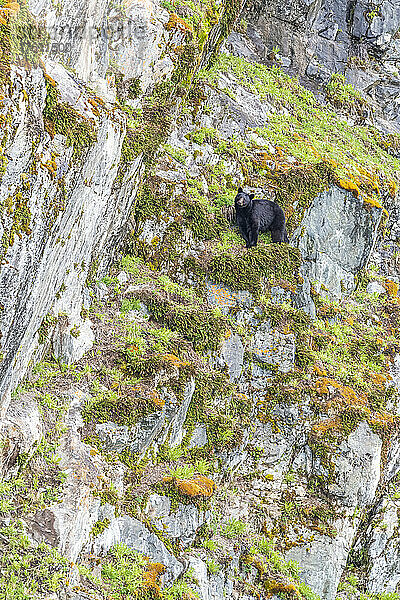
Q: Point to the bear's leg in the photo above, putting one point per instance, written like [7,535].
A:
[243,230]
[247,237]
[278,236]
[253,237]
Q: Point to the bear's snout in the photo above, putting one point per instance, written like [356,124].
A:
[241,201]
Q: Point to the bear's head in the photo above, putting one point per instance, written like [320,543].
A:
[242,199]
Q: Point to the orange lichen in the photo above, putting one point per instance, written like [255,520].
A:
[342,400]
[391,287]
[50,80]
[156,399]
[151,576]
[393,189]
[381,419]
[7,11]
[175,360]
[350,186]
[198,486]
[378,379]
[325,426]
[176,22]
[223,296]
[94,104]
[51,166]
[371,201]
[275,587]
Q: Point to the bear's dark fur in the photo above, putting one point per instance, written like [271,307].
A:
[259,216]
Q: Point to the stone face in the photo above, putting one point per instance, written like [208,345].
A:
[273,348]
[336,238]
[383,548]
[45,271]
[130,531]
[91,32]
[375,288]
[199,437]
[232,353]
[67,525]
[356,477]
[38,268]
[357,467]
[70,347]
[181,524]
[322,567]
[165,423]
[328,37]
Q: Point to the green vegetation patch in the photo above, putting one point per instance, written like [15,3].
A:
[203,326]
[297,188]
[343,95]
[25,571]
[277,263]
[21,37]
[225,412]
[311,133]
[61,118]
[126,574]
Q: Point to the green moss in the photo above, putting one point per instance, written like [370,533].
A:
[64,119]
[127,89]
[247,271]
[230,13]
[22,38]
[343,95]
[224,412]
[27,571]
[17,213]
[48,323]
[110,406]
[297,188]
[151,130]
[151,201]
[99,527]
[202,326]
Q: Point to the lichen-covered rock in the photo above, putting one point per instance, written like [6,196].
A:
[274,348]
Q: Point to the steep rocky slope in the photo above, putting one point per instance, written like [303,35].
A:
[182,417]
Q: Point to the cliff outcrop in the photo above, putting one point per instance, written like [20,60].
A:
[182,417]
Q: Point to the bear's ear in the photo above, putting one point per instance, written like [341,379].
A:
[251,196]
[240,191]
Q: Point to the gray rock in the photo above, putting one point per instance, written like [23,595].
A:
[71,347]
[131,532]
[67,525]
[232,353]
[122,277]
[199,436]
[375,288]
[357,467]
[382,542]
[40,272]
[114,438]
[336,238]
[165,424]
[274,348]
[181,524]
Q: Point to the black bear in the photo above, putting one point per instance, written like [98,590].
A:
[259,216]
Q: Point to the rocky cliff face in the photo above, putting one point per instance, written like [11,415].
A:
[182,417]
